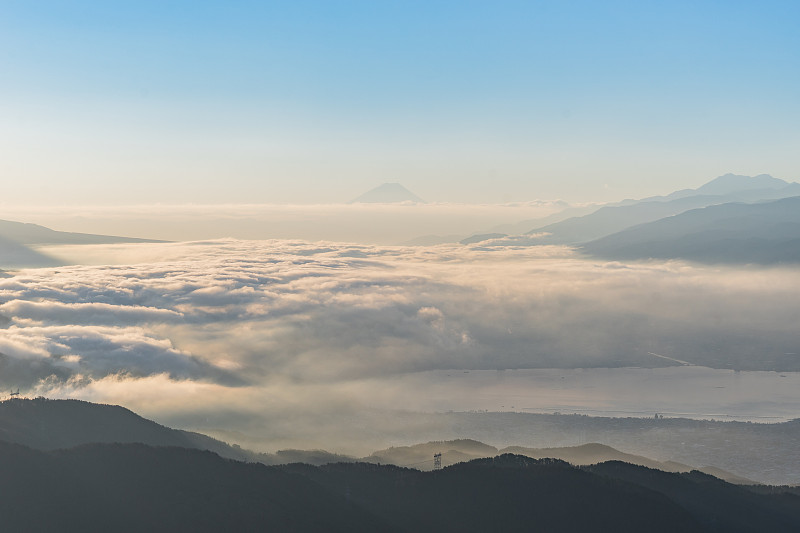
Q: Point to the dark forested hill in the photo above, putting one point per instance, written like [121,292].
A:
[46,424]
[133,487]
[138,475]
[719,505]
[761,452]
[51,424]
[505,493]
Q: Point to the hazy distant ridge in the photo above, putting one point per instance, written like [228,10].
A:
[456,451]
[388,193]
[761,233]
[17,239]
[34,234]
[614,218]
[59,424]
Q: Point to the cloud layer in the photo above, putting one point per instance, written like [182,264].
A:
[266,323]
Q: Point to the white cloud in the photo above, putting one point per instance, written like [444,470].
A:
[85,313]
[255,323]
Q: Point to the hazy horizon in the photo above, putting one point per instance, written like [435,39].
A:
[364,223]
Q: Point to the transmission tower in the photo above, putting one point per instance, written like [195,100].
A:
[437,461]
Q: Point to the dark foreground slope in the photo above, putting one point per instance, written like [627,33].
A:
[46,424]
[765,453]
[51,424]
[133,487]
[505,493]
[717,505]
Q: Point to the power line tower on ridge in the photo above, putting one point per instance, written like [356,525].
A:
[437,461]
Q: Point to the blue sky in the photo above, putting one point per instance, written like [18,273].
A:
[203,102]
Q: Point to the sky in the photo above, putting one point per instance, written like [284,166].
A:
[307,102]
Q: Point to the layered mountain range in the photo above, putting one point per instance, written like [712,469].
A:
[759,233]
[689,224]
[59,424]
[75,466]
[731,219]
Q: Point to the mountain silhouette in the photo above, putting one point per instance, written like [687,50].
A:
[46,424]
[34,234]
[611,219]
[59,424]
[456,451]
[18,241]
[141,476]
[134,487]
[53,424]
[720,506]
[732,183]
[388,193]
[760,233]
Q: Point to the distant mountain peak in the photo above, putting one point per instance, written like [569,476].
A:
[728,183]
[388,193]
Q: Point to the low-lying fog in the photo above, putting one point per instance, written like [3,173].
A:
[287,343]
[360,222]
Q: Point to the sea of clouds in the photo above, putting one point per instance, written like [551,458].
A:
[289,339]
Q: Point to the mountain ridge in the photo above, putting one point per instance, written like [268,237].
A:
[18,242]
[33,234]
[608,220]
[579,225]
[758,233]
[135,487]
[388,193]
[48,425]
